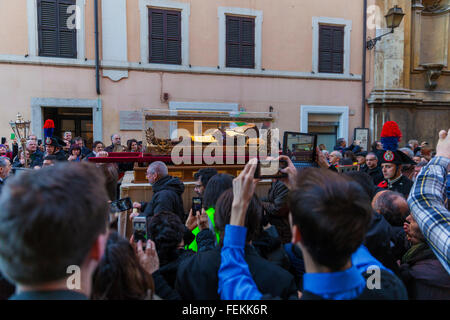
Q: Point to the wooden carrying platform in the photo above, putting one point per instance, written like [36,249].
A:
[143,191]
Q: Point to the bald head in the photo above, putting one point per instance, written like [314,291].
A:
[392,205]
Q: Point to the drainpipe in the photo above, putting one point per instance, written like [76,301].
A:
[97,59]
[363,100]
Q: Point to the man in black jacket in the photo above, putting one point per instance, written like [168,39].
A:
[394,208]
[115,143]
[372,168]
[167,193]
[277,211]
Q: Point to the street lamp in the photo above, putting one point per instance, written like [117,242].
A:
[393,19]
[21,129]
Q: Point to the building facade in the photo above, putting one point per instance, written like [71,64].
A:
[411,71]
[303,59]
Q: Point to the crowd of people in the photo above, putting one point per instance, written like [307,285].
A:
[318,234]
[42,153]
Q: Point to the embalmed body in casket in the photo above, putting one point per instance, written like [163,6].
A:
[237,135]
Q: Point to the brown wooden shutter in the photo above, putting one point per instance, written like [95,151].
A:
[331,49]
[240,42]
[165,36]
[67,37]
[55,38]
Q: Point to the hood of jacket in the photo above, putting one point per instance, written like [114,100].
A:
[169,183]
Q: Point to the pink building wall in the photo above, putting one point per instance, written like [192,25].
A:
[286,46]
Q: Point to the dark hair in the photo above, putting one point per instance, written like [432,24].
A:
[252,218]
[129,143]
[390,208]
[119,275]
[111,177]
[78,139]
[3,162]
[350,155]
[167,231]
[216,186]
[205,175]
[74,147]
[374,146]
[339,141]
[50,157]
[94,145]
[332,213]
[365,181]
[43,228]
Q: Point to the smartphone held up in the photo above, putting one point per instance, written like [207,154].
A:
[270,169]
[196,205]
[140,229]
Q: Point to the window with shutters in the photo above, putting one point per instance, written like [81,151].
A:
[164,36]
[56,39]
[331,49]
[240,42]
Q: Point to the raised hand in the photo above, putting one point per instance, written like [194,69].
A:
[291,171]
[191,221]
[243,189]
[202,220]
[149,258]
[443,146]
[321,159]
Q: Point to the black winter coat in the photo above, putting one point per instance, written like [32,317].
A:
[402,185]
[277,211]
[378,241]
[166,275]
[61,156]
[36,159]
[424,276]
[376,174]
[166,197]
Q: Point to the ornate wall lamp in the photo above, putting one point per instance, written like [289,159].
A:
[393,19]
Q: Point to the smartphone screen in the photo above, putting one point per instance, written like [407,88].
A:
[140,229]
[121,205]
[196,205]
[3,140]
[125,204]
[300,146]
[270,169]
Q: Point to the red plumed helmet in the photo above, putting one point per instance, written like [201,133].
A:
[391,129]
[49,124]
